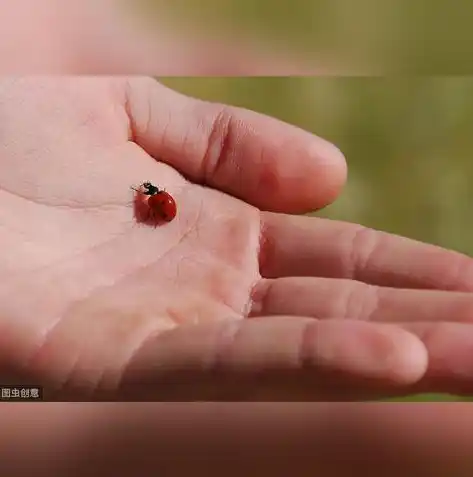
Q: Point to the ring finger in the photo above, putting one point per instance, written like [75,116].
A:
[330,298]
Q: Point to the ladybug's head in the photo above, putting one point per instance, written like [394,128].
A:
[150,189]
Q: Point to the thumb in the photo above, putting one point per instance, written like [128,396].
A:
[266,162]
[280,358]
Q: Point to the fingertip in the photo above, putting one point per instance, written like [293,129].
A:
[306,173]
[330,173]
[410,359]
[373,351]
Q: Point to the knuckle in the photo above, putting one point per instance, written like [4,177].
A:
[219,142]
[362,243]
[459,273]
[359,301]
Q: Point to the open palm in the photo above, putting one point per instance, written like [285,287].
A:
[98,304]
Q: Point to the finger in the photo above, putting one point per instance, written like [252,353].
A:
[266,162]
[450,348]
[272,358]
[333,298]
[304,246]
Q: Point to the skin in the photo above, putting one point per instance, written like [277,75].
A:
[218,304]
[94,305]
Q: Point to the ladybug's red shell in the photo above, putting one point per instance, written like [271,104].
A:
[163,205]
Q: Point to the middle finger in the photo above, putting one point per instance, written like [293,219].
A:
[307,246]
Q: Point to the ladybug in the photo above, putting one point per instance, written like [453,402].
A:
[160,202]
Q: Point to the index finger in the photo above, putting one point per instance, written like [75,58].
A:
[266,162]
[309,246]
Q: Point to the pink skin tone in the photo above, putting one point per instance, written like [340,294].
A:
[94,305]
[115,309]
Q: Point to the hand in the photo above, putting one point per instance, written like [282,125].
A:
[225,302]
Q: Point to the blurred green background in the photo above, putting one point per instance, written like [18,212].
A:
[367,36]
[408,143]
